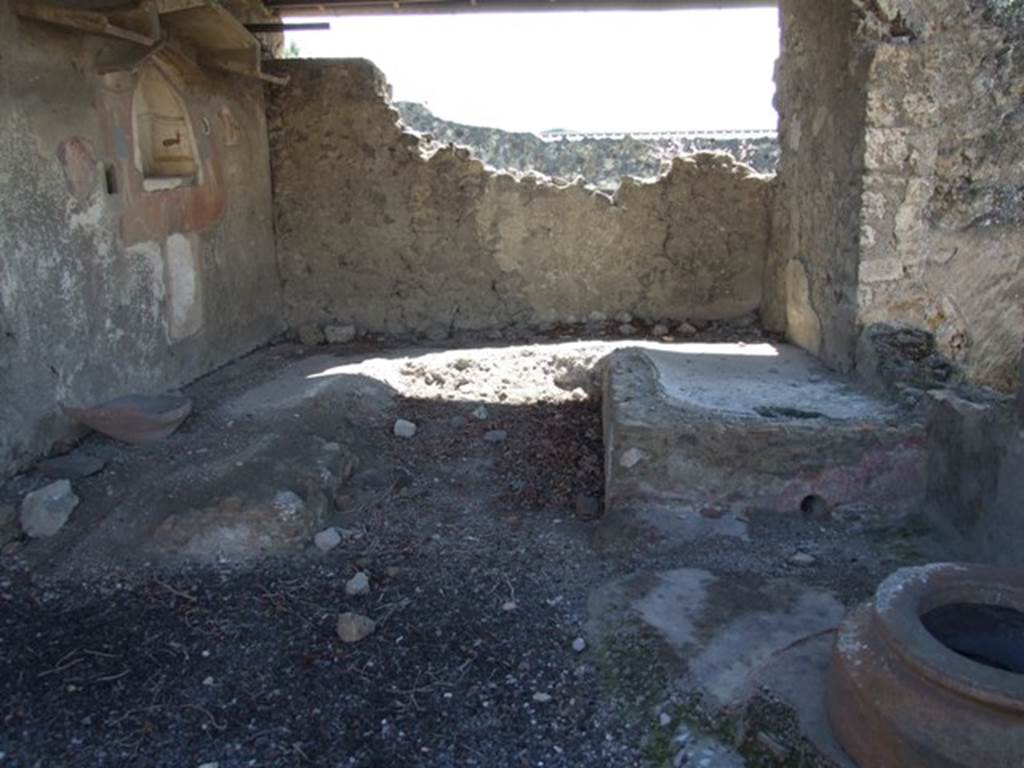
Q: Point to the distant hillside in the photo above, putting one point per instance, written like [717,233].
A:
[601,160]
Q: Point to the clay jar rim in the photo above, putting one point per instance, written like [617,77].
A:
[909,593]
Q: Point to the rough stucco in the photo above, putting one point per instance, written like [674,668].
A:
[109,291]
[900,177]
[942,241]
[372,232]
[811,280]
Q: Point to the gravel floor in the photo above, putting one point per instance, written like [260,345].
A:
[481,558]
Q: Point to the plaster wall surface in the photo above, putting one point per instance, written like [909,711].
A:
[942,225]
[899,192]
[811,280]
[107,288]
[375,230]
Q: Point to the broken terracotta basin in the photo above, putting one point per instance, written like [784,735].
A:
[135,418]
[930,674]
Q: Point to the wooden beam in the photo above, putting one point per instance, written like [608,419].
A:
[84,21]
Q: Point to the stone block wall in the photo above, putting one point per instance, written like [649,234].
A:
[108,287]
[375,229]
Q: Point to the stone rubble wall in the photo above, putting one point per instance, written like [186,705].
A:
[899,194]
[601,161]
[942,223]
[378,230]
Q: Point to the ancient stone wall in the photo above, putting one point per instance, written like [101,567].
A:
[600,160]
[111,283]
[942,236]
[374,230]
[899,183]
[811,281]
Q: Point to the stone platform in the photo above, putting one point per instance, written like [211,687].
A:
[732,427]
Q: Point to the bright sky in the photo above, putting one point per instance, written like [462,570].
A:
[592,71]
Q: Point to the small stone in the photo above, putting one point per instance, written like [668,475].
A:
[627,329]
[327,539]
[624,317]
[458,422]
[496,436]
[207,681]
[802,558]
[357,585]
[686,330]
[597,317]
[481,413]
[353,627]
[339,334]
[579,645]
[310,335]
[631,457]
[393,571]
[509,606]
[44,512]
[542,698]
[712,513]
[664,719]
[660,330]
[404,429]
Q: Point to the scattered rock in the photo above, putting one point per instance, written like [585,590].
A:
[686,330]
[627,329]
[9,528]
[542,698]
[587,507]
[71,466]
[624,317]
[311,336]
[393,571]
[509,605]
[579,645]
[353,627]
[339,334]
[45,511]
[660,330]
[712,513]
[357,585]
[404,429]
[481,413]
[816,508]
[458,422]
[802,558]
[327,539]
[631,457]
[665,719]
[496,436]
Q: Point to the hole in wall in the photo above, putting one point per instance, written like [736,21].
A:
[991,635]
[110,179]
[815,506]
